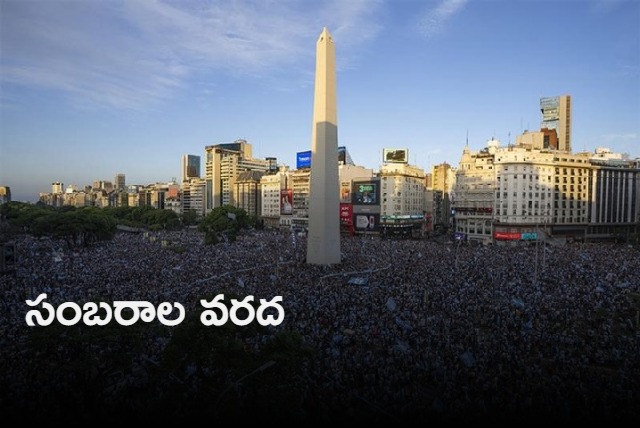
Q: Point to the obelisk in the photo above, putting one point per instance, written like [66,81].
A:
[323,236]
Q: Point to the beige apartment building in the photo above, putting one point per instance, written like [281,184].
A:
[223,163]
[518,193]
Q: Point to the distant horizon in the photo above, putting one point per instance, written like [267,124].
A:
[92,89]
[178,180]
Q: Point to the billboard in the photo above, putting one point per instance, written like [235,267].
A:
[395,155]
[345,191]
[303,159]
[346,214]
[365,193]
[507,236]
[366,222]
[286,201]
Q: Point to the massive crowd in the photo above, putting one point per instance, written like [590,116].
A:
[402,328]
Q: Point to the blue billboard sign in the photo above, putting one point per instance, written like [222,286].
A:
[303,159]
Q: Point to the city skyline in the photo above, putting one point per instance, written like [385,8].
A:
[92,89]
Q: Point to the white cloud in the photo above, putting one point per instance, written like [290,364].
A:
[435,20]
[128,54]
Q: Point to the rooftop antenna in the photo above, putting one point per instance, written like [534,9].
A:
[467,138]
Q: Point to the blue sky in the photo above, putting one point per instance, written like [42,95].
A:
[94,88]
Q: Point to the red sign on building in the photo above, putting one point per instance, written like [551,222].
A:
[507,236]
[346,214]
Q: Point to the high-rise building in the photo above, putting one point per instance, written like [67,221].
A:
[323,238]
[300,182]
[190,167]
[57,187]
[556,115]
[402,198]
[443,178]
[120,182]
[272,188]
[193,196]
[223,163]
[246,193]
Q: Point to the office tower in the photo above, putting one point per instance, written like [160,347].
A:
[323,236]
[273,187]
[273,165]
[190,167]
[223,163]
[120,182]
[57,187]
[193,196]
[246,192]
[300,182]
[556,115]
[443,178]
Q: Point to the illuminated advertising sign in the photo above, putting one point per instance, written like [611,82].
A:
[286,202]
[507,236]
[395,155]
[346,214]
[345,192]
[367,222]
[365,193]
[303,159]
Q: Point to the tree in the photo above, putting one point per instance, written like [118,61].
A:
[224,222]
[23,215]
[158,219]
[189,218]
[76,226]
